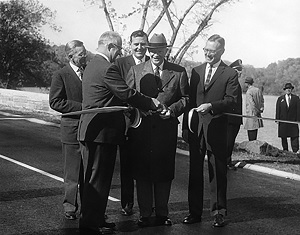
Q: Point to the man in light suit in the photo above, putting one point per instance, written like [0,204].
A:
[138,43]
[254,107]
[213,91]
[101,133]
[288,109]
[153,143]
[66,96]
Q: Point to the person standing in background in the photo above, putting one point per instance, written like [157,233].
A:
[288,109]
[254,107]
[234,122]
[66,96]
[138,43]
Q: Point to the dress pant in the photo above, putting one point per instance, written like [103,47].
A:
[294,143]
[217,168]
[252,134]
[232,132]
[147,191]
[98,161]
[73,176]
[127,182]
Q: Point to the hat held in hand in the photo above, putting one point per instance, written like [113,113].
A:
[288,86]
[157,41]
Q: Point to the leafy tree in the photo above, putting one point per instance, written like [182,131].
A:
[185,25]
[23,51]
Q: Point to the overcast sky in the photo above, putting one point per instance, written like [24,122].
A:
[257,31]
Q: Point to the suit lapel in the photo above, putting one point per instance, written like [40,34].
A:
[72,73]
[217,74]
[167,75]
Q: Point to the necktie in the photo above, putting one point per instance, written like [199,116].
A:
[289,100]
[157,78]
[208,76]
[139,61]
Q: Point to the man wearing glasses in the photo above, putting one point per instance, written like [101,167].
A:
[66,96]
[101,133]
[213,91]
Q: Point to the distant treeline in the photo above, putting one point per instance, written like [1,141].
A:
[270,79]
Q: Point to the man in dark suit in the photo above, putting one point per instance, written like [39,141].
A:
[234,122]
[213,91]
[138,43]
[288,109]
[101,133]
[153,143]
[66,96]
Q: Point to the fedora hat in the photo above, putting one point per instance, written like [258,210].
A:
[288,86]
[249,80]
[157,41]
[237,65]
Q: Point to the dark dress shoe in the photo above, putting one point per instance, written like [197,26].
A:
[219,221]
[96,231]
[191,219]
[108,225]
[231,166]
[70,215]
[163,220]
[143,222]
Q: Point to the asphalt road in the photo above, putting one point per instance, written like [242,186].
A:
[31,192]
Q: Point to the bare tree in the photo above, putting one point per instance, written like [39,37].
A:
[185,26]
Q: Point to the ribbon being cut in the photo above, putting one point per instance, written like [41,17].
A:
[193,118]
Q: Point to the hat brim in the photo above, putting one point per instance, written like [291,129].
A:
[289,87]
[157,47]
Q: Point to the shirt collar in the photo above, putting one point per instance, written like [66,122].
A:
[160,67]
[74,67]
[215,65]
[136,60]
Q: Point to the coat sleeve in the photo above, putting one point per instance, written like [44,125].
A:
[58,99]
[120,89]
[179,107]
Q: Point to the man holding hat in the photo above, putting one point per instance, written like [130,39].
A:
[288,109]
[254,107]
[153,144]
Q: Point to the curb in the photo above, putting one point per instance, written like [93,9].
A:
[257,168]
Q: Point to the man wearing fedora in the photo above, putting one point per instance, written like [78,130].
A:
[153,144]
[288,109]
[254,107]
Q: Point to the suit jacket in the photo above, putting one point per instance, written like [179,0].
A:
[103,86]
[254,107]
[222,93]
[125,63]
[288,113]
[66,96]
[237,109]
[153,143]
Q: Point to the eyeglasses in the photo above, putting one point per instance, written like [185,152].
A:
[213,52]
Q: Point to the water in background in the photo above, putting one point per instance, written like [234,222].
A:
[268,133]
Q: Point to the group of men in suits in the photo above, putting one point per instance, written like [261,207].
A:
[161,91]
